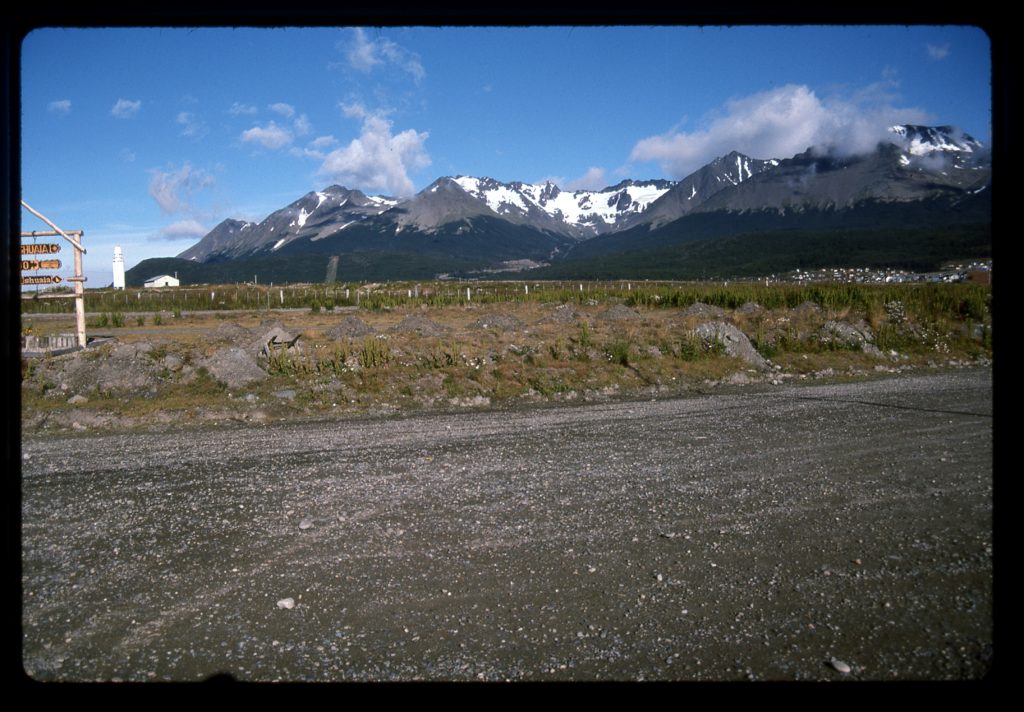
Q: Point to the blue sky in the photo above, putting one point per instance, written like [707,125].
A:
[147,138]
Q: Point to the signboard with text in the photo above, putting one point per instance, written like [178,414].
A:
[35,265]
[42,279]
[40,248]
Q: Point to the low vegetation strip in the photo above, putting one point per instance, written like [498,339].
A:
[927,300]
[411,347]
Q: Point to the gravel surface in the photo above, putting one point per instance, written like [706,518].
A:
[827,532]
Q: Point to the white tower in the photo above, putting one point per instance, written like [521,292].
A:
[118,268]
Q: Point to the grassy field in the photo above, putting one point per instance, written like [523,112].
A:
[433,344]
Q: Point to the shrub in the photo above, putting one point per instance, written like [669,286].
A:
[374,354]
[585,339]
[618,352]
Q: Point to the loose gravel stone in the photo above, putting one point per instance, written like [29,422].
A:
[840,666]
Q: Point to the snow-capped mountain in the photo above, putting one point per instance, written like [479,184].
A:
[917,163]
[477,221]
[931,141]
[579,213]
[314,216]
[690,193]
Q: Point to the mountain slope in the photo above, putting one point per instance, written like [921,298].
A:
[690,193]
[922,177]
[312,216]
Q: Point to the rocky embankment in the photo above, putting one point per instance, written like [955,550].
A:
[250,368]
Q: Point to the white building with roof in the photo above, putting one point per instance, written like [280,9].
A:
[163,280]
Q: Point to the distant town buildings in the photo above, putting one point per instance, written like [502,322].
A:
[979,271]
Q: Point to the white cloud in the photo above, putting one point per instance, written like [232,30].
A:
[780,123]
[377,160]
[62,106]
[302,125]
[323,142]
[285,110]
[315,148]
[172,190]
[125,109]
[594,179]
[182,230]
[127,155]
[366,55]
[191,125]
[938,52]
[270,136]
[238,109]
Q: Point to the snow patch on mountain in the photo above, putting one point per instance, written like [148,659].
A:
[587,210]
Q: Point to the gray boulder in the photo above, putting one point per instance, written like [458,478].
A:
[855,336]
[275,339]
[735,341]
[119,368]
[233,366]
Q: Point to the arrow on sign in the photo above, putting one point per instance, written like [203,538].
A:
[42,279]
[43,248]
[39,264]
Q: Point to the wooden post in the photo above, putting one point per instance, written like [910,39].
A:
[75,238]
[79,296]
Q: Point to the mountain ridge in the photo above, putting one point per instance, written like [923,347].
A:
[497,221]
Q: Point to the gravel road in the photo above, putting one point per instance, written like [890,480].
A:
[827,532]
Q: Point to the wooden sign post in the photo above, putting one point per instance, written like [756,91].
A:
[35,252]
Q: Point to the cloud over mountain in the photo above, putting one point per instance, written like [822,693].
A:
[780,122]
[594,179]
[182,230]
[378,159]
